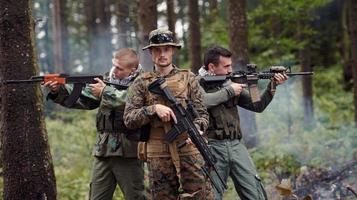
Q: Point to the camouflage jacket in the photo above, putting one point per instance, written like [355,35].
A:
[107,143]
[139,108]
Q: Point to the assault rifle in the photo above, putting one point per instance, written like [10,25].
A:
[185,124]
[78,81]
[249,77]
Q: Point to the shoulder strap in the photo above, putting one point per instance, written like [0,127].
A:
[147,75]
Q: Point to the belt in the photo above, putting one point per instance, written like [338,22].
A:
[223,137]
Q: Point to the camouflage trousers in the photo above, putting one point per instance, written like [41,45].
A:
[234,160]
[164,182]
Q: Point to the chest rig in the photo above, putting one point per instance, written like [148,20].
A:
[178,83]
[114,123]
[223,119]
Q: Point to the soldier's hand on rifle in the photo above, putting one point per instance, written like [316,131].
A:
[97,88]
[165,113]
[238,88]
[52,85]
[280,78]
[189,141]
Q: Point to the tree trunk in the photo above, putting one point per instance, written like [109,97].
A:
[276,29]
[98,23]
[44,45]
[213,5]
[134,18]
[103,60]
[307,86]
[28,169]
[353,38]
[213,9]
[48,65]
[60,37]
[89,6]
[171,21]
[181,17]
[123,24]
[345,48]
[195,36]
[238,34]
[305,59]
[147,22]
[171,16]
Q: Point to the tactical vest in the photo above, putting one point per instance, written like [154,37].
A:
[178,84]
[110,123]
[114,138]
[114,123]
[224,119]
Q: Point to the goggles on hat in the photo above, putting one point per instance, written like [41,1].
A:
[161,38]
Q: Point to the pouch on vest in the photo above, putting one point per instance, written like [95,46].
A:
[142,134]
[110,123]
[142,151]
[145,133]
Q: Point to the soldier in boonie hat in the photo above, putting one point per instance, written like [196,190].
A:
[161,37]
[179,166]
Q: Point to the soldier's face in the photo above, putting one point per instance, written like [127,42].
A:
[121,69]
[162,55]
[223,67]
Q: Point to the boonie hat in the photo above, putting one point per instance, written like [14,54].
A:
[161,37]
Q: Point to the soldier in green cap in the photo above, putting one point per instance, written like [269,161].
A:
[174,173]
[224,131]
[116,148]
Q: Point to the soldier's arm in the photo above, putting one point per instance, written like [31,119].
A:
[215,98]
[196,96]
[136,113]
[85,101]
[112,98]
[244,100]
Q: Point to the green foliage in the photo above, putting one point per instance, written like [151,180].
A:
[215,33]
[331,97]
[269,160]
[71,137]
[279,29]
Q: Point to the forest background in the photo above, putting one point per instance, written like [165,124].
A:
[307,135]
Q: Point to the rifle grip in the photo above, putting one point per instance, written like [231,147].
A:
[254,92]
[272,87]
[172,134]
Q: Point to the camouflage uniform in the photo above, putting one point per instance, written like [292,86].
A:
[115,154]
[225,136]
[173,173]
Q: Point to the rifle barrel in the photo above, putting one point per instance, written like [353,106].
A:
[300,73]
[19,81]
[270,75]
